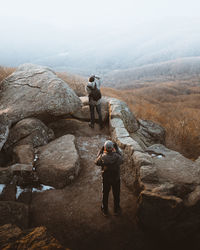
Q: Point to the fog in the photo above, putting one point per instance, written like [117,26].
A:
[97,36]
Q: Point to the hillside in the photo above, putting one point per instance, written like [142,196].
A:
[179,69]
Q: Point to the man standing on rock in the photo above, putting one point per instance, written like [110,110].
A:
[94,95]
[110,158]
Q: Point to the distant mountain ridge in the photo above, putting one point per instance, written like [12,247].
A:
[181,68]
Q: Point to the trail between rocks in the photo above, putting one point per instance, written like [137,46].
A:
[73,214]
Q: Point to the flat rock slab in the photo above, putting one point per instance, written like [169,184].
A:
[58,162]
[173,167]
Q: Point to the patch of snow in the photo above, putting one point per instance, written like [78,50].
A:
[19,191]
[2,186]
[43,188]
[159,156]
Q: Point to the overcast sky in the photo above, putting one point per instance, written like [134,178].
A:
[75,14]
[36,28]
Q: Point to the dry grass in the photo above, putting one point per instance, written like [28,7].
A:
[173,105]
[4,72]
[77,83]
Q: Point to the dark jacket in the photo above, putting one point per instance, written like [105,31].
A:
[110,163]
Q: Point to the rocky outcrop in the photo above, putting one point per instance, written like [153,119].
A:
[29,131]
[12,237]
[37,91]
[149,133]
[121,121]
[84,112]
[167,183]
[119,109]
[58,162]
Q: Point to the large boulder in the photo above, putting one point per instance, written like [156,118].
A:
[58,162]
[173,167]
[170,200]
[29,131]
[37,91]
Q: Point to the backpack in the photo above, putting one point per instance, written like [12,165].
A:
[95,93]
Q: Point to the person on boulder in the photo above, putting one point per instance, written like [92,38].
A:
[110,158]
[94,95]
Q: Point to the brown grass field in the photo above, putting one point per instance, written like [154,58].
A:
[175,105]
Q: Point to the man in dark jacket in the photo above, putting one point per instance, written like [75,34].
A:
[110,158]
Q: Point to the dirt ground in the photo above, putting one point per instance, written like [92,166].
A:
[73,214]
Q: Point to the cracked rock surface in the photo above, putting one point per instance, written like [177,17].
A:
[35,90]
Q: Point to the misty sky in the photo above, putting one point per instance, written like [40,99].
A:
[83,14]
[30,28]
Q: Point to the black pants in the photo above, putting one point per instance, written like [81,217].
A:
[92,117]
[107,184]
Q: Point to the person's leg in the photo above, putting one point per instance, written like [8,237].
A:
[98,108]
[91,116]
[106,190]
[116,195]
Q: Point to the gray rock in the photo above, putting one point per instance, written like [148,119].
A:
[151,133]
[23,174]
[148,174]
[119,133]
[37,91]
[4,130]
[142,159]
[174,168]
[75,127]
[58,162]
[84,112]
[29,131]
[119,109]
[128,142]
[193,197]
[116,123]
[24,154]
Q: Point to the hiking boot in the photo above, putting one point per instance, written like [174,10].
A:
[117,211]
[91,125]
[104,212]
